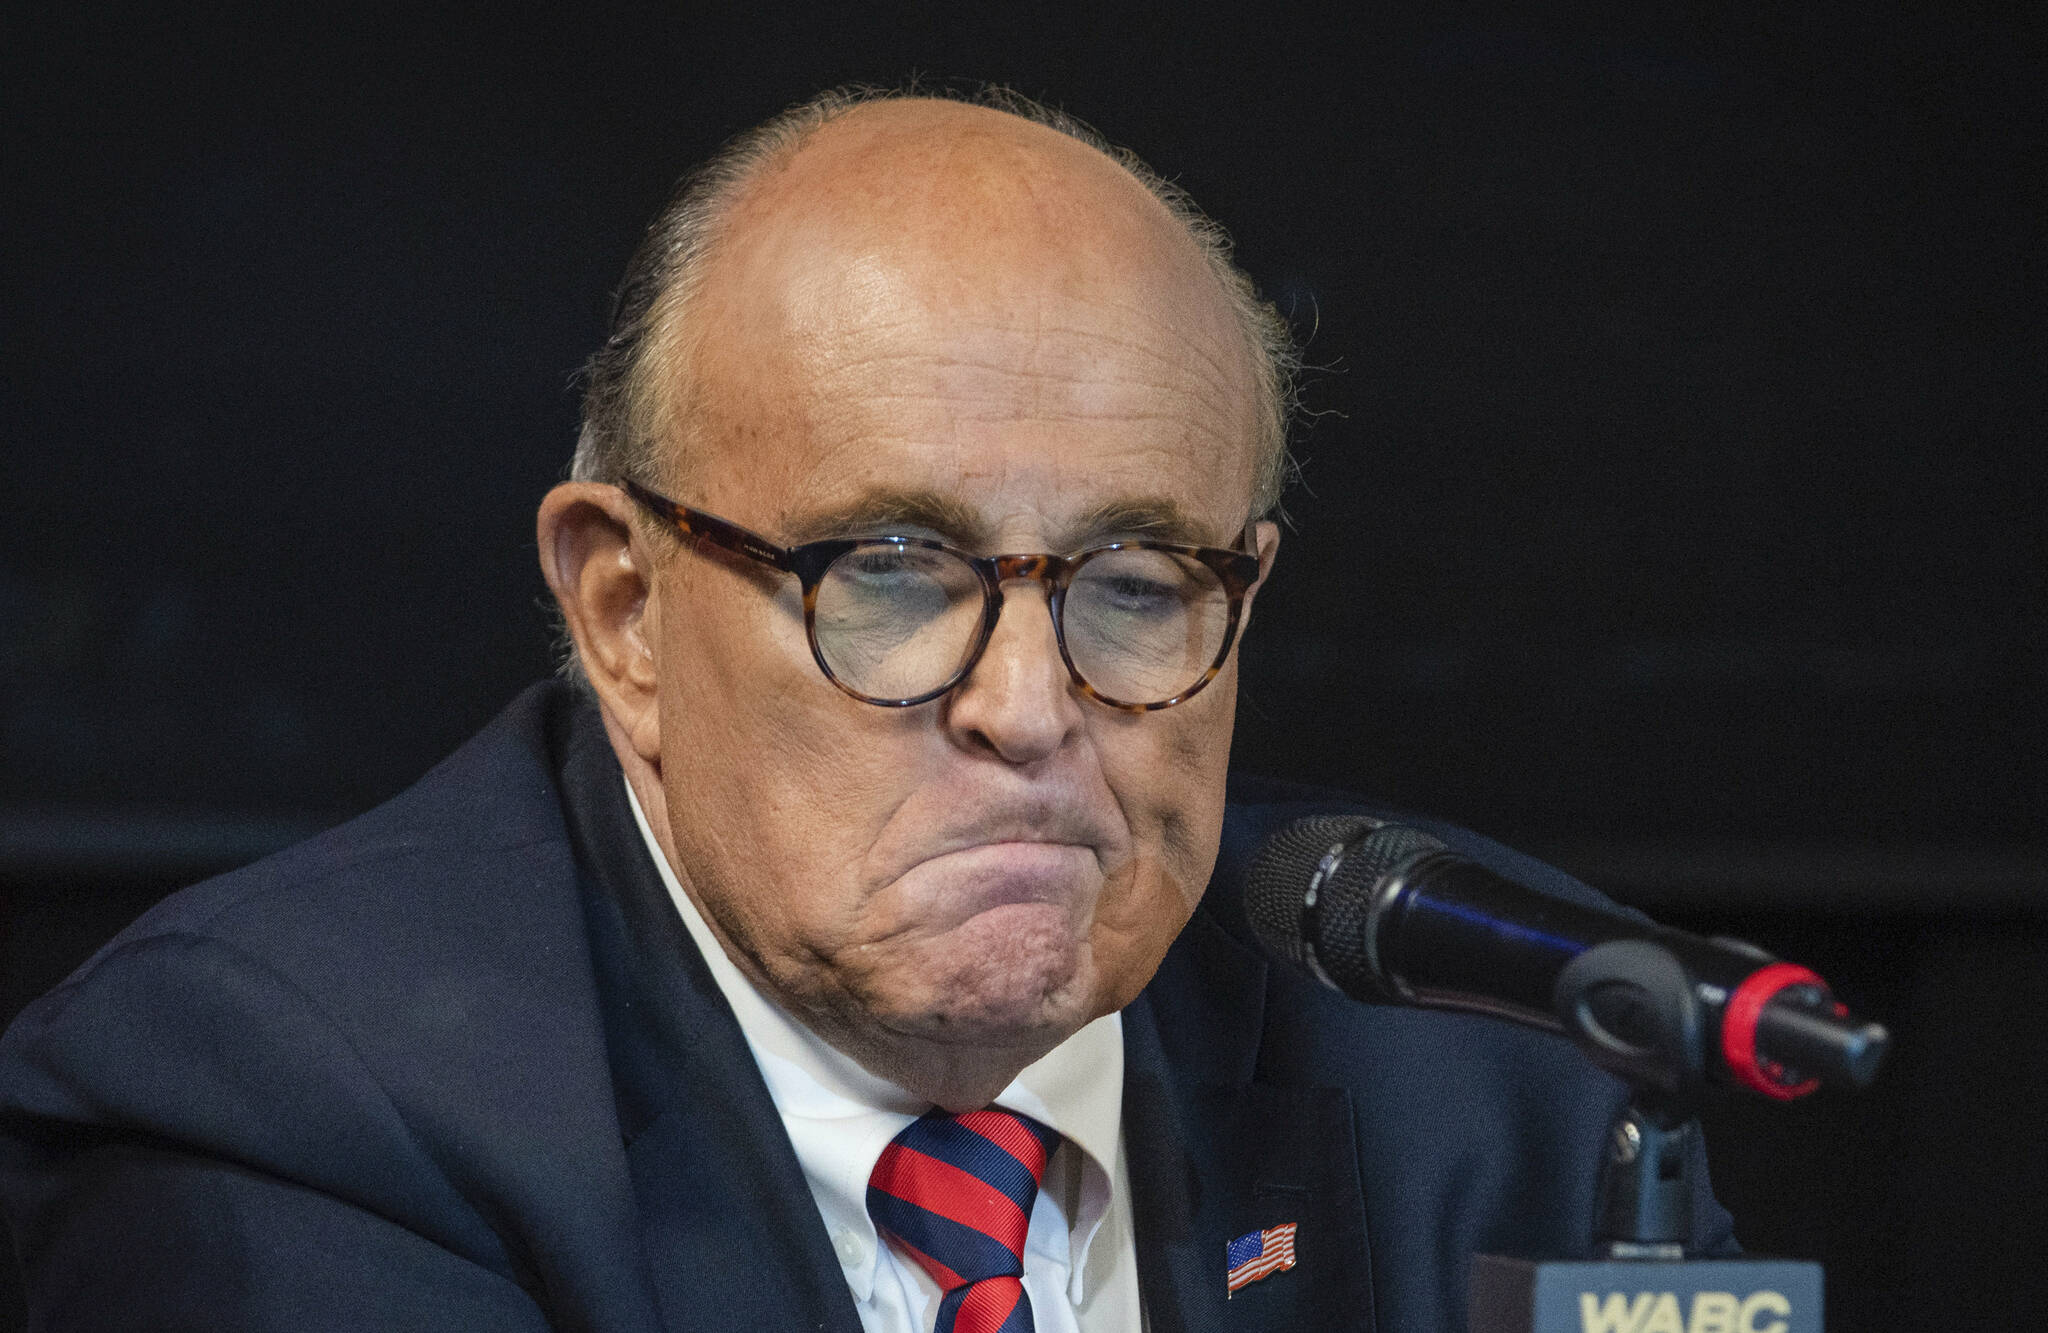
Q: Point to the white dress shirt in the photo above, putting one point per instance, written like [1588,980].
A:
[1080,1257]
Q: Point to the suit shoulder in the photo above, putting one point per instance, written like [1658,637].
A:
[434,935]
[360,1014]
[473,832]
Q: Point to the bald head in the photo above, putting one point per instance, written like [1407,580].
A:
[1031,254]
[980,192]
[944,195]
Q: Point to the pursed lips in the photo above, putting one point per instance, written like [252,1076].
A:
[989,848]
[1052,824]
[961,884]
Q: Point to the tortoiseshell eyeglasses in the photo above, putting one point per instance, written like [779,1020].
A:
[898,621]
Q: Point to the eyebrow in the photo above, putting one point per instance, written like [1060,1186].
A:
[888,512]
[1157,519]
[895,512]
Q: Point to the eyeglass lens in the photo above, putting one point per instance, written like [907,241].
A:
[1141,626]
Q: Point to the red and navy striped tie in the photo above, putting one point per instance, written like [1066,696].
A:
[955,1193]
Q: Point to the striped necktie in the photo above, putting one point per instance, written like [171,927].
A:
[954,1192]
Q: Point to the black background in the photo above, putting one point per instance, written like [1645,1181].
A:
[1673,484]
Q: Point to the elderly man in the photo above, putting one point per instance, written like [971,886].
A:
[848,949]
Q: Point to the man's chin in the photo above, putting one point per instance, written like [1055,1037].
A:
[1025,990]
[1033,1030]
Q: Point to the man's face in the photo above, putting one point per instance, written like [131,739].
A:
[996,867]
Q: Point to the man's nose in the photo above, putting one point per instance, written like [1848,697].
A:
[1018,701]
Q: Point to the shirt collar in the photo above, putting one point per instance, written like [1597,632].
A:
[840,1117]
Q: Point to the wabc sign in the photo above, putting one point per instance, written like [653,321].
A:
[1701,1296]
[1663,1312]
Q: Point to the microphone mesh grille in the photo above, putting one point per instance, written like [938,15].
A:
[1345,906]
[1371,859]
[1281,872]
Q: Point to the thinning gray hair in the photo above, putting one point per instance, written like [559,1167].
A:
[631,385]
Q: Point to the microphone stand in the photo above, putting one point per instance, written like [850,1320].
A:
[1635,1009]
[1646,1182]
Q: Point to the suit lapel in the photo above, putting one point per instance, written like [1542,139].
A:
[1214,1155]
[727,1226]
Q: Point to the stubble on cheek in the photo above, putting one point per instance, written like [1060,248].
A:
[1141,917]
[1175,841]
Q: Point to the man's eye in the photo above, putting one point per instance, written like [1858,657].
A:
[877,562]
[885,561]
[897,567]
[1133,591]
[1130,594]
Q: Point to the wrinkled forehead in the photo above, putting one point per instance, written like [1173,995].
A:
[1001,295]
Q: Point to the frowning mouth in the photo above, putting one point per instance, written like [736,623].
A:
[967,881]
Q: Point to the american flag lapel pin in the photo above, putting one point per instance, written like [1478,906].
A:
[1256,1254]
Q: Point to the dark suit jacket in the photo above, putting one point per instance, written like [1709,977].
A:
[457,1065]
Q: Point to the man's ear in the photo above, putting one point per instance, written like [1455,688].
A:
[601,577]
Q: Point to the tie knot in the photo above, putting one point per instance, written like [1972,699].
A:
[955,1192]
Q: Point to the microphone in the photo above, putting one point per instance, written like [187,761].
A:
[1384,912]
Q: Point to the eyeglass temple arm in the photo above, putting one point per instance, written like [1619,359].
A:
[696,523]
[1256,570]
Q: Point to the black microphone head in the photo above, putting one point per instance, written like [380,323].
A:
[1332,937]
[1281,872]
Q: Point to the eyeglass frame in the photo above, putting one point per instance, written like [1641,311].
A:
[1238,570]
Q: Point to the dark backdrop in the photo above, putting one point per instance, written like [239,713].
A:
[1673,479]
